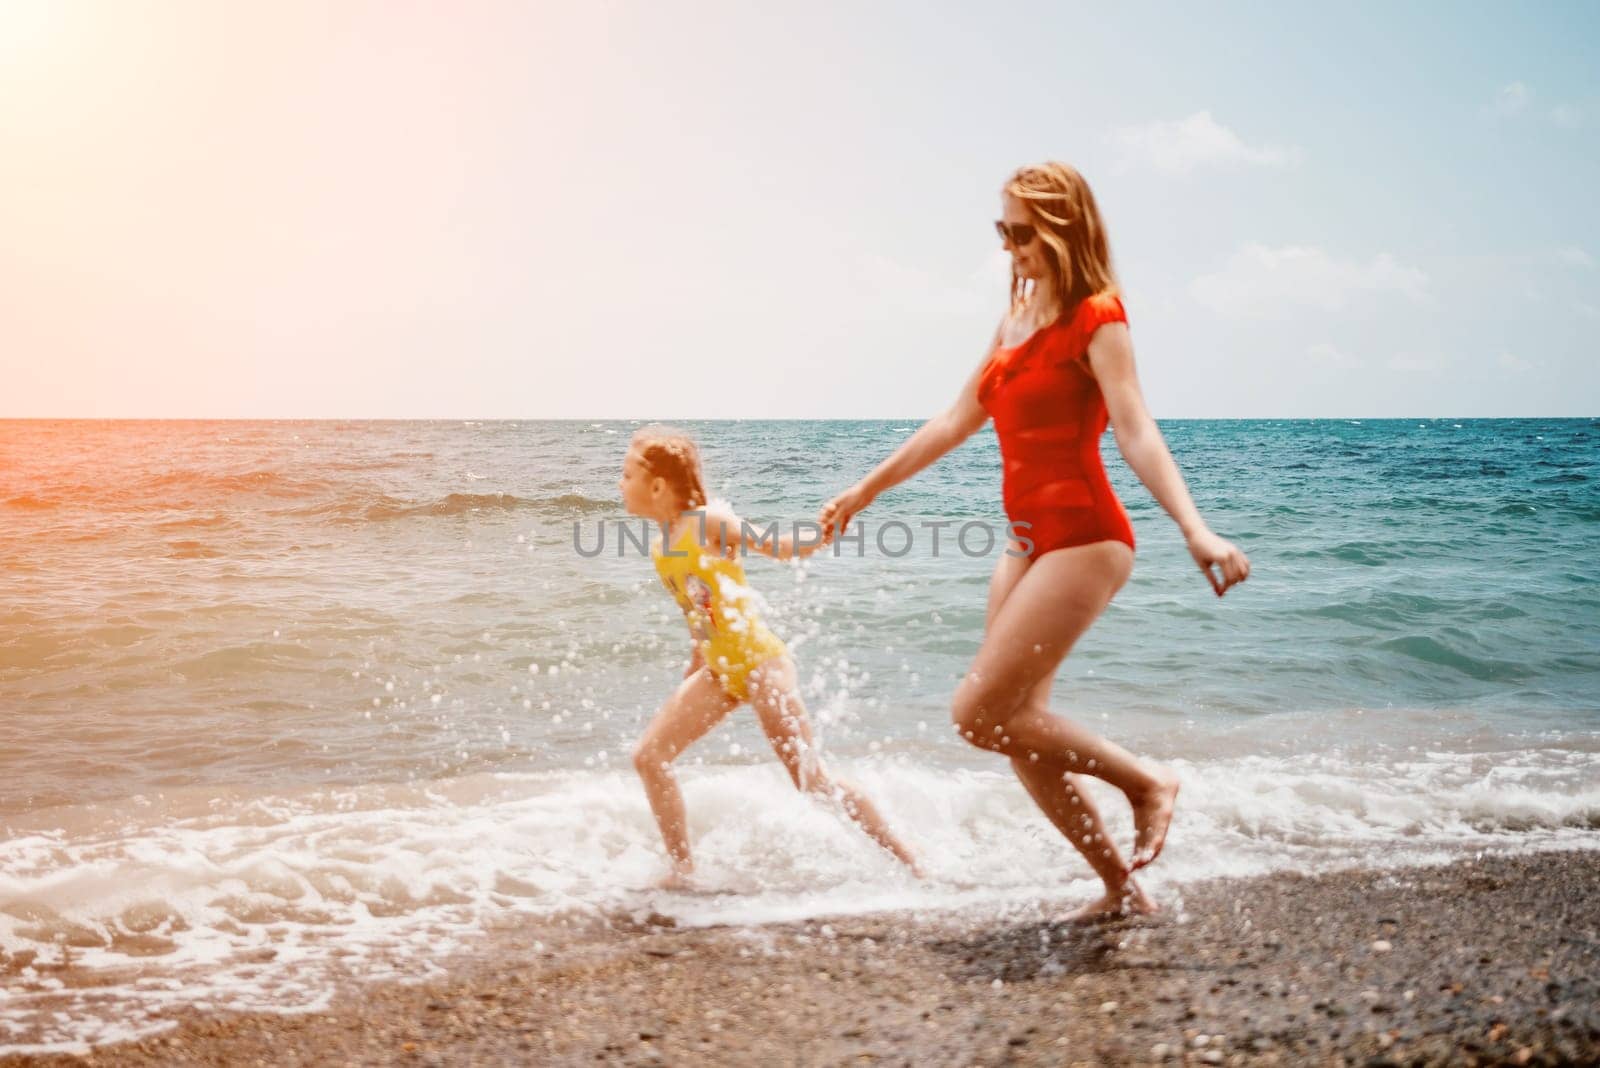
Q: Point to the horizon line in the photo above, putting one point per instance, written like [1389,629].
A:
[719,419]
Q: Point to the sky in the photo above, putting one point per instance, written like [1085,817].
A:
[729,210]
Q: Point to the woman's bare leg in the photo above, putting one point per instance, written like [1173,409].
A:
[775,695]
[1037,610]
[1062,798]
[698,704]
[1060,794]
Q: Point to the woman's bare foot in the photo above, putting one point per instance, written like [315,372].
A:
[1131,901]
[1152,814]
[677,879]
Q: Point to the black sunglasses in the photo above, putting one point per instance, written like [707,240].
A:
[1019,234]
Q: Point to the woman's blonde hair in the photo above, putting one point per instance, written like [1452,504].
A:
[1069,224]
[671,454]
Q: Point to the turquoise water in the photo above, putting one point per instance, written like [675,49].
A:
[347,690]
[266,582]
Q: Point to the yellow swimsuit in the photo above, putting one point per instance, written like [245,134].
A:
[720,609]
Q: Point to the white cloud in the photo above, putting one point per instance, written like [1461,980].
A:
[1515,98]
[1512,99]
[1259,282]
[1185,145]
[1566,115]
[1573,256]
[1587,310]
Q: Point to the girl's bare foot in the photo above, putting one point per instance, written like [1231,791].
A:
[1131,901]
[1152,814]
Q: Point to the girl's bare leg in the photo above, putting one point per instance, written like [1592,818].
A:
[775,696]
[1037,610]
[698,704]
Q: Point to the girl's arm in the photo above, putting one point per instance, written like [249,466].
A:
[931,441]
[1141,444]
[728,532]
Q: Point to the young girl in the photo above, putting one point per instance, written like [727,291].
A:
[736,658]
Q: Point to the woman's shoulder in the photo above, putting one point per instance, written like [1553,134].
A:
[1100,308]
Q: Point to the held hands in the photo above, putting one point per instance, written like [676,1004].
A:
[1211,551]
[835,516]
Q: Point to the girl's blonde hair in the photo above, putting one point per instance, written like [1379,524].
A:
[1069,224]
[671,454]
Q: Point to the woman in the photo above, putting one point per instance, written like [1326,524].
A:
[1060,365]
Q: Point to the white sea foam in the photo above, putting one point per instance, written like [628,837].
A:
[271,902]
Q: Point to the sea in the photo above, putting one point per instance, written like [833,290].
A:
[286,706]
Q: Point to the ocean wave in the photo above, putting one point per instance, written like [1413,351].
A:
[31,503]
[170,489]
[1432,651]
[455,504]
[260,903]
[375,507]
[233,661]
[266,481]
[1384,610]
[193,550]
[1366,553]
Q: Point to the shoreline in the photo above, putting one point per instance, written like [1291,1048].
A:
[1492,960]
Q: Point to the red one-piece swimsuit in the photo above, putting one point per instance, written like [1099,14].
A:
[1049,414]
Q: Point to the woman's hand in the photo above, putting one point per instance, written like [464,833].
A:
[1211,551]
[835,516]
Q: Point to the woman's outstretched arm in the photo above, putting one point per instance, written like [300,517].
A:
[932,440]
[1141,444]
